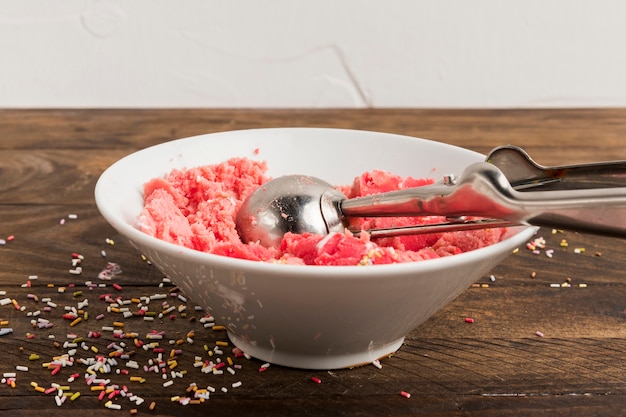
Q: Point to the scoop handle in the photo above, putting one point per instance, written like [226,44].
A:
[484,191]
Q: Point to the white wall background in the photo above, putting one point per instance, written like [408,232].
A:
[322,53]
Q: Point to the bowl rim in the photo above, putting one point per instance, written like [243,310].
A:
[136,236]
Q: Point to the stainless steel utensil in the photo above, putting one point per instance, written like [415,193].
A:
[587,198]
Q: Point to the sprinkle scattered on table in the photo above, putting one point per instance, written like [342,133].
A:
[102,351]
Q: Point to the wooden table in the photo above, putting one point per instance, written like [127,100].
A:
[534,348]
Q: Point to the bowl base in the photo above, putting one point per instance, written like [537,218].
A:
[319,362]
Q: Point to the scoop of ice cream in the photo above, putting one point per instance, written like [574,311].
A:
[197,208]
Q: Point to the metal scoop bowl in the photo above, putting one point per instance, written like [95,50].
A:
[587,198]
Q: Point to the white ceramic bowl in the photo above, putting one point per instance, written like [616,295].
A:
[313,317]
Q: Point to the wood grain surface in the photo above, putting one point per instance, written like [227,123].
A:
[548,337]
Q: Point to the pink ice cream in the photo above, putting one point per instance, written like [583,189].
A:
[197,207]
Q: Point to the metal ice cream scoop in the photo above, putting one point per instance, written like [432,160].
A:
[508,189]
